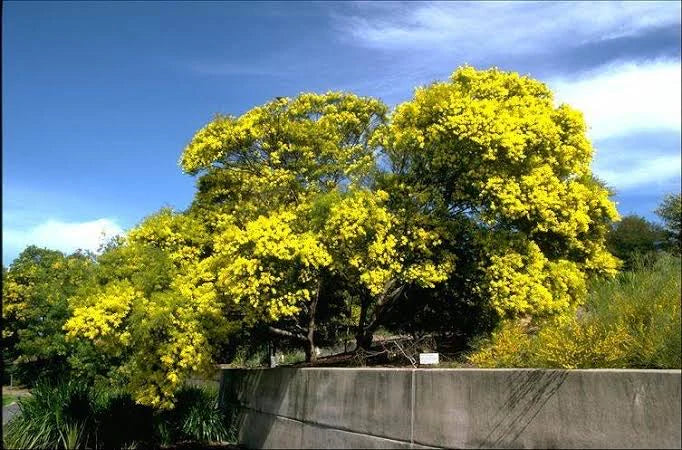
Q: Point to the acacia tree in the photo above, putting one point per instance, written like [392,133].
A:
[480,183]
[291,187]
[153,309]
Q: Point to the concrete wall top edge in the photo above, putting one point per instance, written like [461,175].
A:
[462,369]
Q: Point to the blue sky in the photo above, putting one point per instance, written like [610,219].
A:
[100,98]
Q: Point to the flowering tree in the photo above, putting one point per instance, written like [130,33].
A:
[478,178]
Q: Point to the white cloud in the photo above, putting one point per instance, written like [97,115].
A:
[616,99]
[626,98]
[64,236]
[516,27]
[658,170]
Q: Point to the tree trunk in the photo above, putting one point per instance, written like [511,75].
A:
[360,338]
[363,341]
[310,355]
[365,333]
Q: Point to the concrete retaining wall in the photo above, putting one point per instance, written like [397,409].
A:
[455,408]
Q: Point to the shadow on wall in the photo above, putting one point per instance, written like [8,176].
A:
[264,402]
[271,405]
[530,391]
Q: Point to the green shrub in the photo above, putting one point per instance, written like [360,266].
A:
[630,321]
[646,302]
[196,417]
[291,357]
[120,422]
[73,414]
[54,416]
[247,357]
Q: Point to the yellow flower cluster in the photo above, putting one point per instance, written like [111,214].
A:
[547,203]
[181,235]
[103,319]
[313,138]
[268,265]
[13,302]
[525,282]
[366,237]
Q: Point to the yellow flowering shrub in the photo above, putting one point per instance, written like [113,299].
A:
[632,320]
[590,345]
[509,346]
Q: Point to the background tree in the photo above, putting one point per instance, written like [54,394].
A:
[670,211]
[635,237]
[36,291]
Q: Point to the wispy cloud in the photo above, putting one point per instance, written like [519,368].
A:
[626,98]
[58,235]
[518,27]
[420,42]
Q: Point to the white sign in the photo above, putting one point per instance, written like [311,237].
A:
[428,358]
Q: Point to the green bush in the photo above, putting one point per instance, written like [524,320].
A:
[72,414]
[630,321]
[196,417]
[55,416]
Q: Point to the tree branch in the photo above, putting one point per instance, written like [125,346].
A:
[384,305]
[288,334]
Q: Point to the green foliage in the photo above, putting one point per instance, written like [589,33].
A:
[646,302]
[36,292]
[196,417]
[248,357]
[631,321]
[291,357]
[54,416]
[633,237]
[8,399]
[72,414]
[670,210]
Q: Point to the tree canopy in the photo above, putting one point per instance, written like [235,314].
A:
[633,237]
[479,186]
[670,210]
[35,295]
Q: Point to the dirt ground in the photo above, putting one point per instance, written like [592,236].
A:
[15,391]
